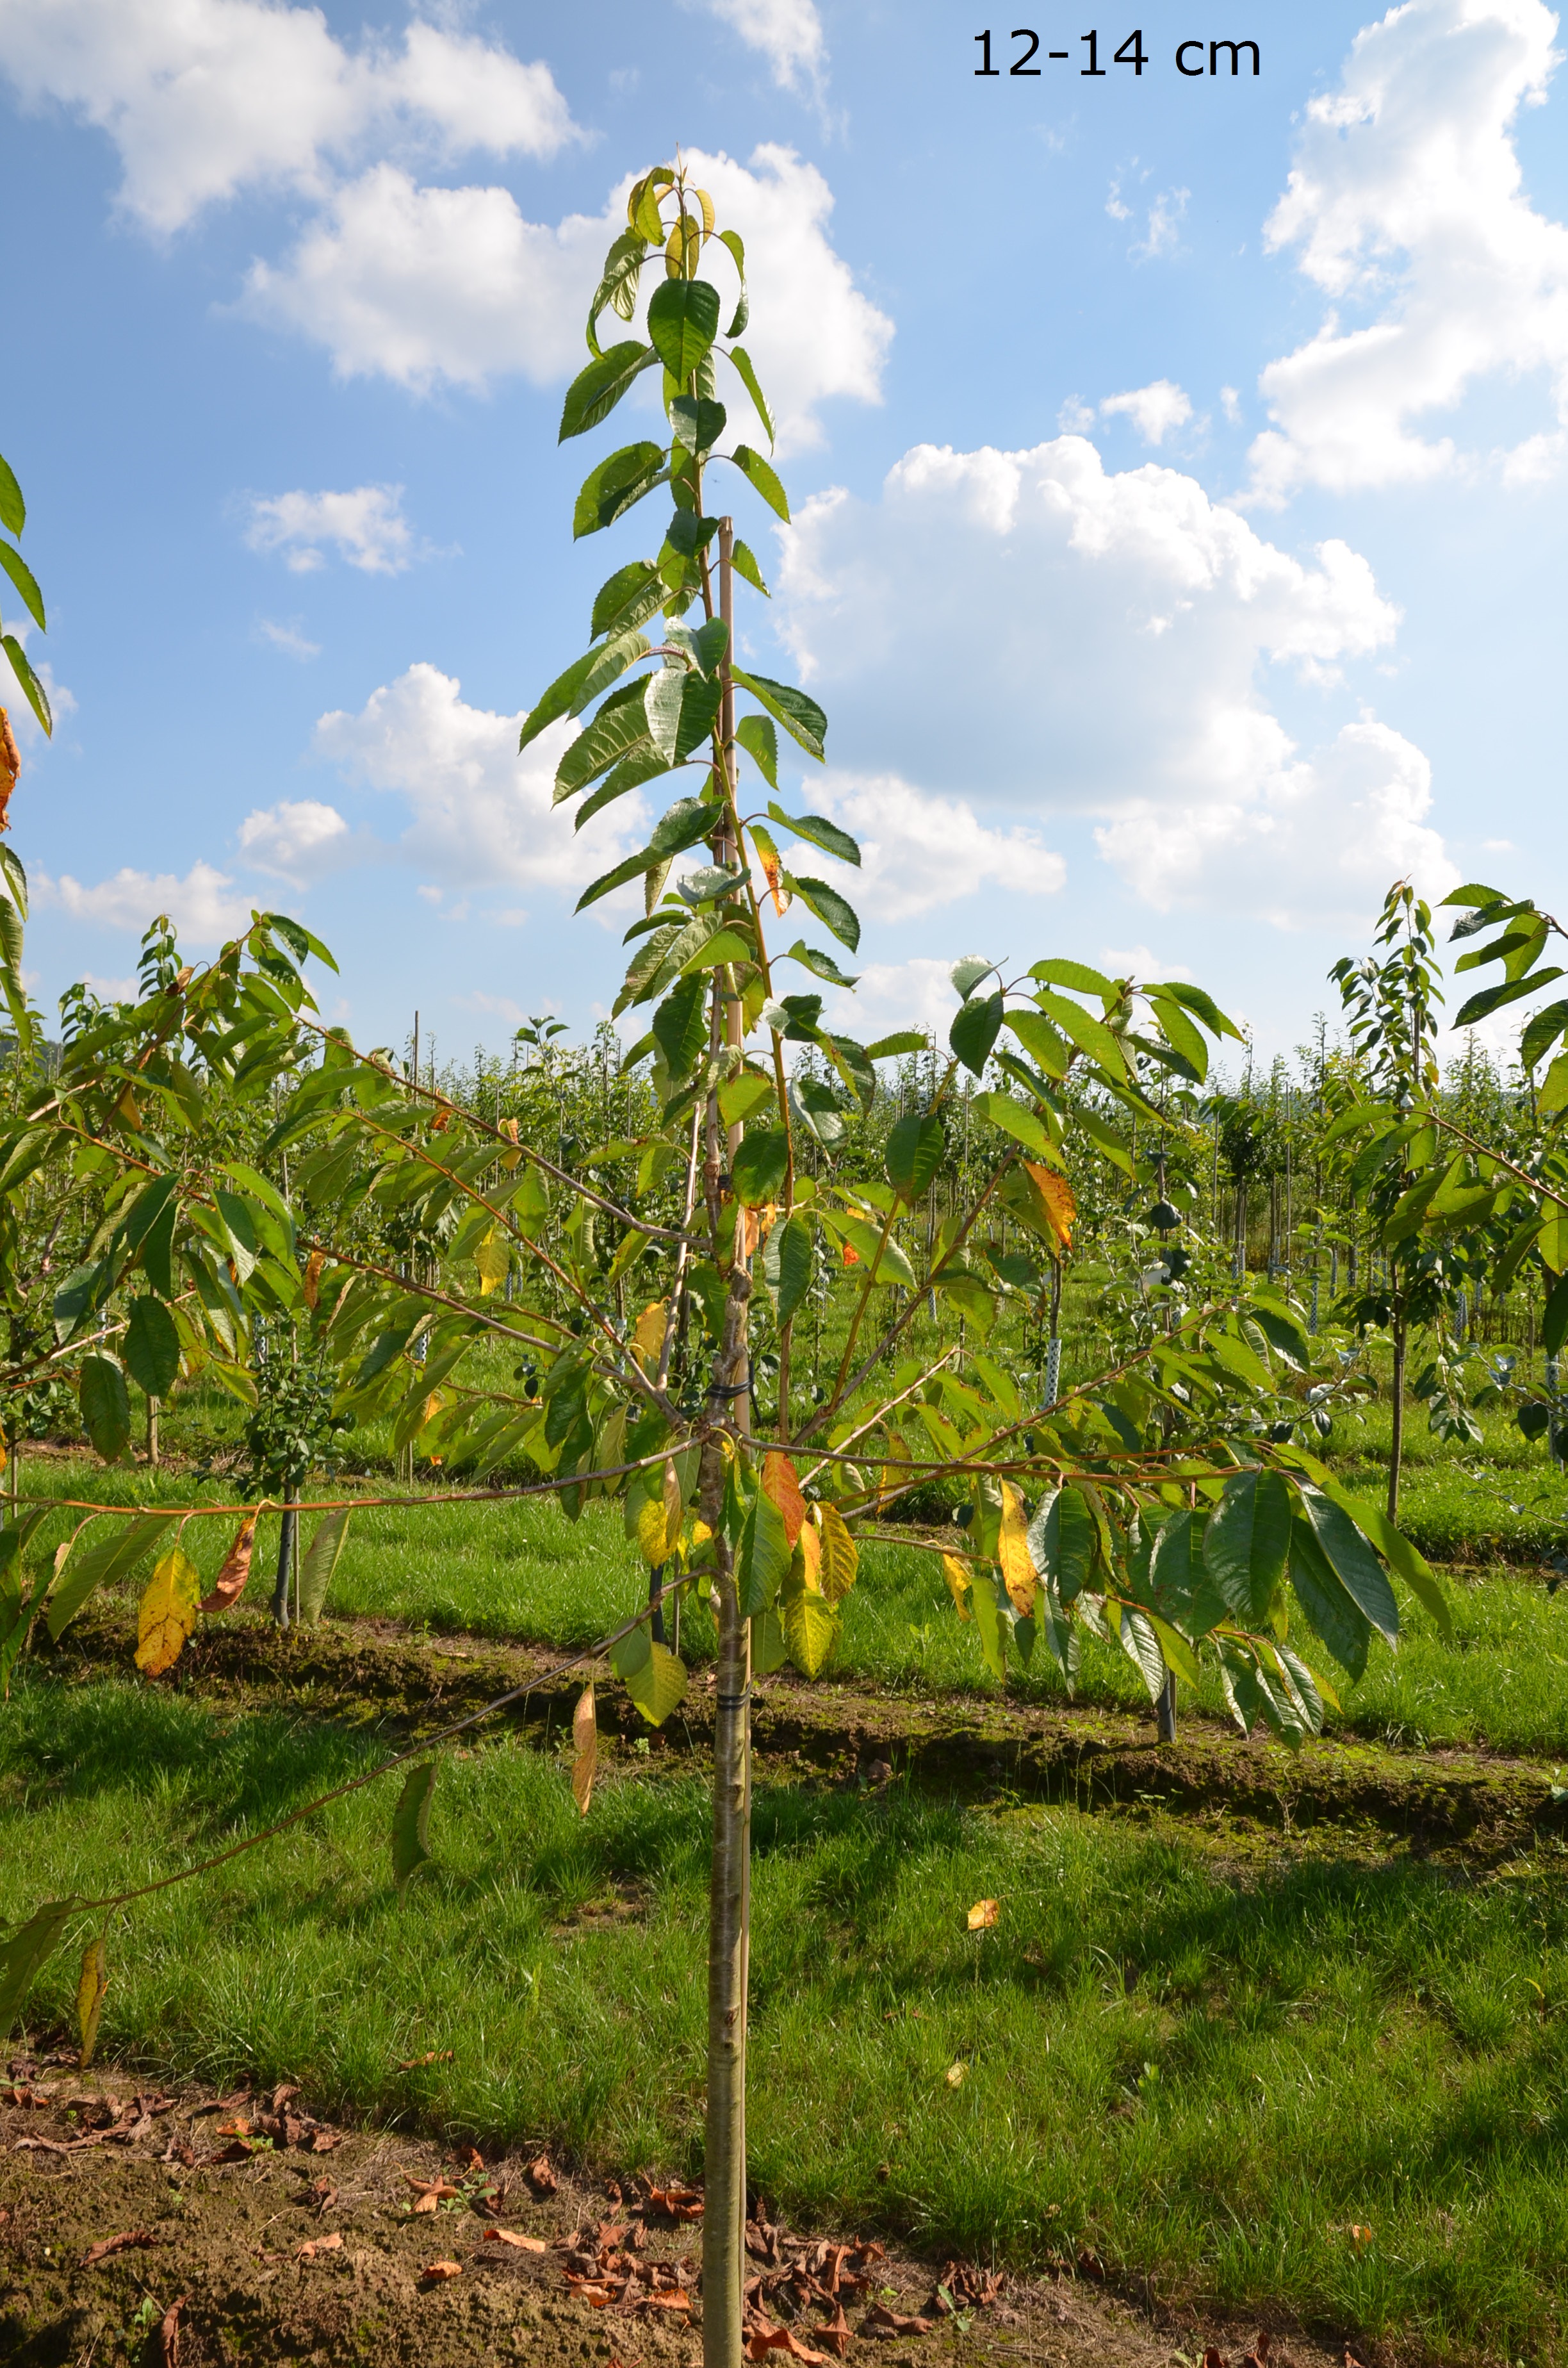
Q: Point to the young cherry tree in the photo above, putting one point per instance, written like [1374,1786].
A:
[1149,1504]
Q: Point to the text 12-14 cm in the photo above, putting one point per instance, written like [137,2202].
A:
[1192,58]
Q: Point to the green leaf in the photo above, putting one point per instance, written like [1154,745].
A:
[114,1557]
[759,1167]
[762,1563]
[992,1613]
[1541,1032]
[1492,998]
[618,729]
[616,485]
[21,575]
[680,1025]
[14,877]
[617,283]
[151,1347]
[29,1949]
[1554,1321]
[683,320]
[1332,1615]
[976,1026]
[1061,1542]
[760,741]
[1090,1035]
[1352,1559]
[628,598]
[37,697]
[1077,975]
[814,828]
[1181,1035]
[13,509]
[1137,1636]
[687,821]
[833,910]
[894,1047]
[631,773]
[681,709]
[742,362]
[1016,1118]
[812,1629]
[1040,1040]
[697,421]
[743,559]
[106,1407]
[800,716]
[795,1262]
[657,1685]
[595,392]
[1194,999]
[1396,1548]
[819,965]
[320,1566]
[410,1825]
[883,1261]
[914,1153]
[760,475]
[1246,1542]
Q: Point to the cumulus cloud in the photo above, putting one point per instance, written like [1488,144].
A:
[200,905]
[366,527]
[787,33]
[212,96]
[1033,630]
[428,285]
[891,996]
[1153,410]
[1406,207]
[918,852]
[297,840]
[481,813]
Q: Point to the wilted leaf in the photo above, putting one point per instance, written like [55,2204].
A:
[1056,1194]
[519,2244]
[168,2325]
[983,1914]
[167,1612]
[90,1989]
[410,1825]
[585,1746]
[957,1574]
[128,2240]
[231,1581]
[435,2271]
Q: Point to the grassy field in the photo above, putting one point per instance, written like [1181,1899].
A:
[1210,2080]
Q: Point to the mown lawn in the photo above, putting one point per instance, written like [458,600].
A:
[1211,2078]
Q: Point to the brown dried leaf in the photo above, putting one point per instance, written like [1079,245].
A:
[311,1278]
[541,2177]
[128,2240]
[519,2244]
[230,1583]
[674,2202]
[315,2245]
[168,2332]
[437,2271]
[763,2340]
[880,2320]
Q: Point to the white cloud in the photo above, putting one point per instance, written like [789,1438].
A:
[202,910]
[431,285]
[891,995]
[917,852]
[1098,643]
[1153,410]
[482,813]
[1165,218]
[367,525]
[1231,404]
[1406,203]
[206,97]
[787,33]
[289,636]
[297,840]
[1138,962]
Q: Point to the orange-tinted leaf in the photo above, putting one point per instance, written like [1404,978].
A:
[1055,1191]
[519,2244]
[851,1255]
[10,765]
[230,1583]
[436,2270]
[983,1914]
[311,1278]
[586,1742]
[782,1485]
[762,2341]
[315,2245]
[540,2176]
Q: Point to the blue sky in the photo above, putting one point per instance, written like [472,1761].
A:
[1178,466]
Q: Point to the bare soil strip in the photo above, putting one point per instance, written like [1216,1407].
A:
[1471,1805]
[193,2231]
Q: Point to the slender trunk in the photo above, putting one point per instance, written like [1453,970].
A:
[285,1562]
[1396,1445]
[1166,1708]
[152,1432]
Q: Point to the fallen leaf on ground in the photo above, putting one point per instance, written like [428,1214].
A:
[880,2320]
[955,2075]
[782,2338]
[984,1913]
[674,2202]
[541,2177]
[509,2236]
[417,2063]
[437,2271]
[127,2241]
[323,2196]
[325,2140]
[315,2245]
[168,2332]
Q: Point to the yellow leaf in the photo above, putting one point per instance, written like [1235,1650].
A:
[809,1545]
[983,1914]
[1013,1551]
[840,1556]
[90,1992]
[168,1613]
[585,1740]
[648,1335]
[810,1632]
[1060,1208]
[957,1574]
[311,1278]
[955,2075]
[781,1486]
[510,1160]
[493,1257]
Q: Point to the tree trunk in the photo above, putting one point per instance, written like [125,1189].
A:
[1166,1708]
[1396,1445]
[285,1562]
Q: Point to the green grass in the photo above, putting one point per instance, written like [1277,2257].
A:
[522,1570]
[1206,2082]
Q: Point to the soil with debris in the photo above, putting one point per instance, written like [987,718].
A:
[146,2231]
[1470,1806]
